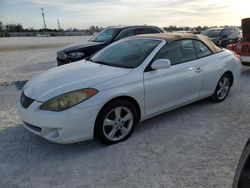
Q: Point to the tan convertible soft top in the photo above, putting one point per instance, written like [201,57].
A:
[170,37]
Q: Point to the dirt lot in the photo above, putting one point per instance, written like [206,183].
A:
[198,145]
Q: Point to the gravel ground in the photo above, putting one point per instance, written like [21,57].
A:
[198,145]
[23,57]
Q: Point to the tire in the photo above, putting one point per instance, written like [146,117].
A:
[241,177]
[115,122]
[222,89]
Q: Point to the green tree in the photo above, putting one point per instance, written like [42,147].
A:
[14,27]
[18,28]
[1,26]
[93,29]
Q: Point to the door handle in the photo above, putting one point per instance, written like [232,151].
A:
[198,70]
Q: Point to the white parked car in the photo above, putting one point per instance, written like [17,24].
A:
[127,82]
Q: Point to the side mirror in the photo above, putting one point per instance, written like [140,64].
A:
[161,64]
[87,58]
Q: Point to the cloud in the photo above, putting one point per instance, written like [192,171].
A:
[129,5]
[7,18]
[80,13]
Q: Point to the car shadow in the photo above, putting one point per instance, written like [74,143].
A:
[172,114]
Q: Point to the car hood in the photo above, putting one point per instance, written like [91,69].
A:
[73,47]
[79,75]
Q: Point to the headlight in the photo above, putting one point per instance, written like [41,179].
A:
[61,55]
[67,100]
[238,46]
[75,55]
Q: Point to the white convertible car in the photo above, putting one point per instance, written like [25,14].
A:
[129,81]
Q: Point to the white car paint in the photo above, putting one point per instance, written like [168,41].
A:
[57,81]
[155,91]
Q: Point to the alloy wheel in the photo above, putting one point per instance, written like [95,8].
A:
[117,123]
[223,87]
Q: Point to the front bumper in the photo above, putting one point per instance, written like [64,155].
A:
[245,60]
[69,126]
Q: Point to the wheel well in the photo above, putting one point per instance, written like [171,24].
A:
[131,100]
[229,73]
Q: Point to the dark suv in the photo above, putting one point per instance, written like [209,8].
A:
[223,36]
[73,53]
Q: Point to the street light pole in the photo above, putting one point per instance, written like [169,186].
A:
[43,19]
[59,27]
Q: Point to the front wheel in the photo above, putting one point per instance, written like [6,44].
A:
[115,122]
[222,89]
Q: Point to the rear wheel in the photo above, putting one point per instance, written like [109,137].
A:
[222,89]
[115,122]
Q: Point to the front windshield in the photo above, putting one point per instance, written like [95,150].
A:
[126,53]
[105,35]
[212,33]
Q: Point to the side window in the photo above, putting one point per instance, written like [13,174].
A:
[126,33]
[201,49]
[225,32]
[141,31]
[178,52]
[146,30]
[236,32]
[231,32]
[152,30]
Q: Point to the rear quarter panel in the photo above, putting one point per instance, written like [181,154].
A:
[215,66]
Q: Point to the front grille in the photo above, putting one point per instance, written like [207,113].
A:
[61,55]
[245,48]
[32,127]
[26,101]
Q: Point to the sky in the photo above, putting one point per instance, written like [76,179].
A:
[83,13]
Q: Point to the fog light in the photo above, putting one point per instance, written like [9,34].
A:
[50,133]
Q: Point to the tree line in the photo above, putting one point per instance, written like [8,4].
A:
[92,29]
[19,28]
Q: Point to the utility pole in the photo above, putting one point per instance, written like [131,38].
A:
[43,19]
[59,27]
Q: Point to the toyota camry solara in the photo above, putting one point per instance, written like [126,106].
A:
[127,82]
